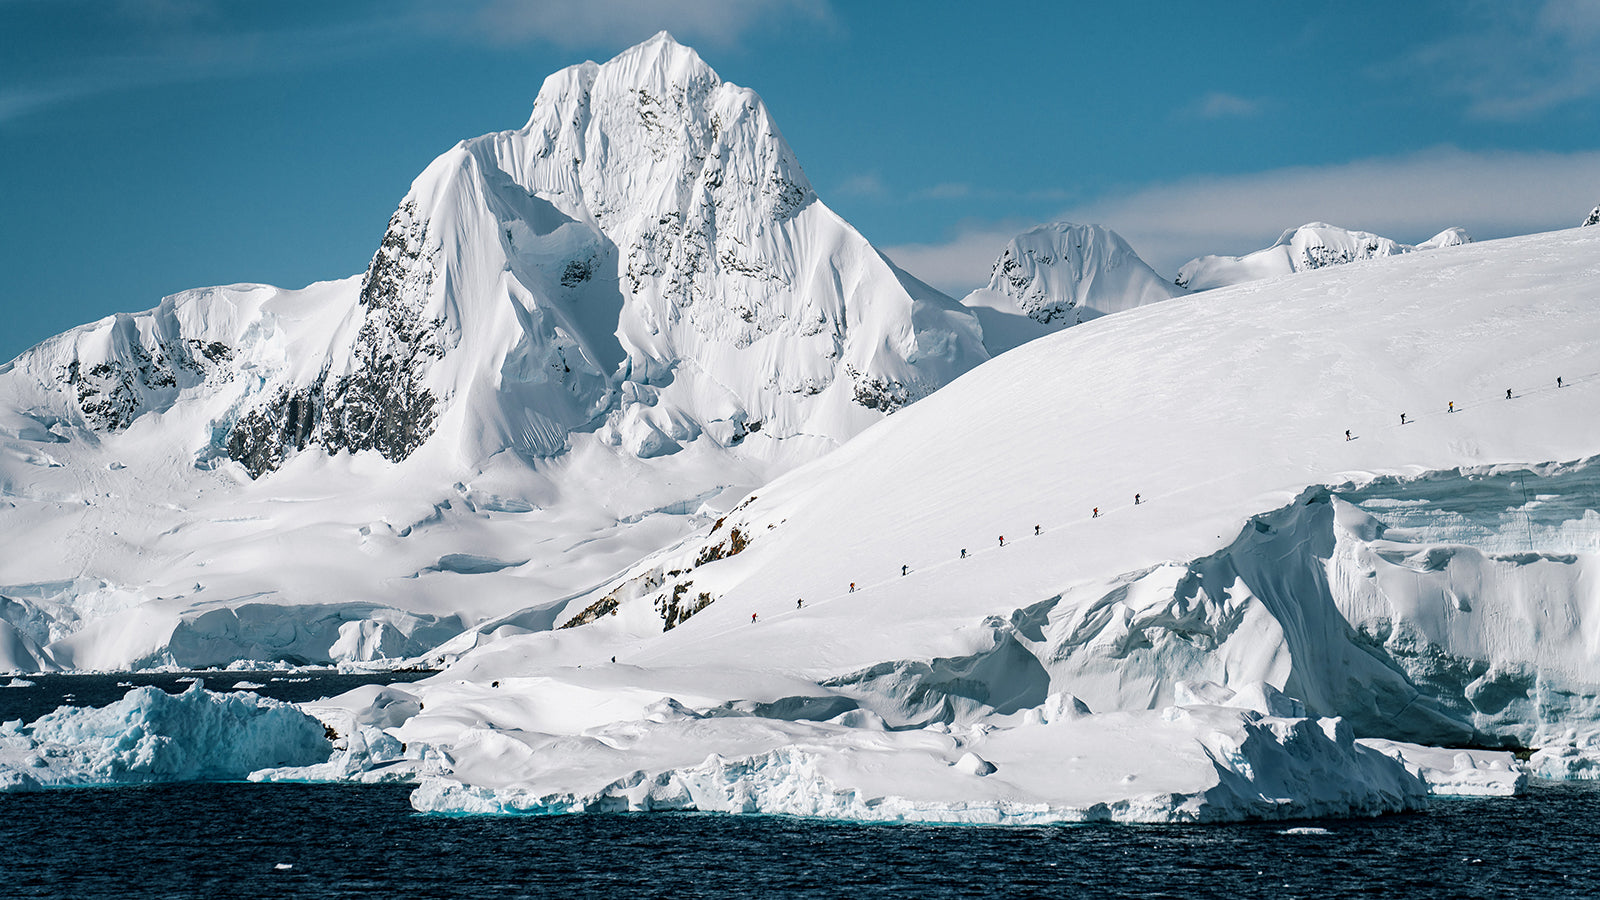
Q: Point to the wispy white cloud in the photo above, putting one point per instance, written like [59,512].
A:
[1409,198]
[1511,61]
[131,45]
[1220,105]
[867,184]
[112,45]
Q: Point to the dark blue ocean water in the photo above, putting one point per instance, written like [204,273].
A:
[230,840]
[227,840]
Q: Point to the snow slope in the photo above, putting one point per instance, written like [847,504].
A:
[575,342]
[1426,582]
[1308,247]
[1058,275]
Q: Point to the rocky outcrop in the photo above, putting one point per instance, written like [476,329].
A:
[381,403]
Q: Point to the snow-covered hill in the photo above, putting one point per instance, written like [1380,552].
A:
[576,340]
[1312,246]
[1058,275]
[1202,502]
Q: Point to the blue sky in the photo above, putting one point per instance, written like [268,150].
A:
[154,145]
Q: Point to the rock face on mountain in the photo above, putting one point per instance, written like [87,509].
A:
[1592,219]
[574,338]
[1313,246]
[1058,275]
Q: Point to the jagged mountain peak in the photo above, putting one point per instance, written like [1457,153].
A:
[1060,274]
[657,232]
[1592,219]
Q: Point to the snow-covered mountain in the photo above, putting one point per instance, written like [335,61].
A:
[1167,565]
[1164,502]
[1592,219]
[1312,246]
[574,341]
[1057,275]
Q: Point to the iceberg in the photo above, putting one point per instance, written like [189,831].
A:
[152,736]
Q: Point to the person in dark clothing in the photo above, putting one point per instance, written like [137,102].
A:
[1095,514]
[963,553]
[1135,499]
[799,603]
[752,618]
[1036,530]
[1402,418]
[1347,434]
[904,569]
[1508,393]
[1558,381]
[1002,540]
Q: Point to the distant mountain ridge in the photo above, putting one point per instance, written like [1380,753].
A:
[1061,274]
[1312,246]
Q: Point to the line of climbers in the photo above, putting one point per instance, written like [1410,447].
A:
[1451,407]
[905,569]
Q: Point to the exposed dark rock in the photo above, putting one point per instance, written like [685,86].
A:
[382,404]
[886,395]
[131,380]
[675,610]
